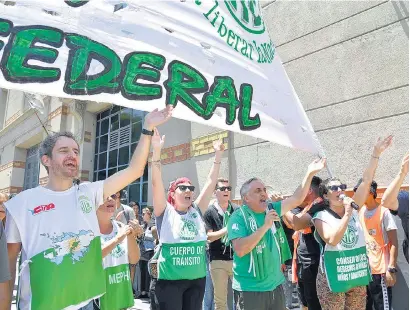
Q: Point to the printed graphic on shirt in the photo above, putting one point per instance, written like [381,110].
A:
[42,208]
[350,237]
[68,244]
[188,230]
[85,204]
[55,272]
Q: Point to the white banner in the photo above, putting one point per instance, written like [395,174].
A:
[211,59]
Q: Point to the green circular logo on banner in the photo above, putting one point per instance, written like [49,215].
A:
[75,3]
[350,237]
[247,14]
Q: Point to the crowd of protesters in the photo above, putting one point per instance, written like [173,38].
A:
[199,251]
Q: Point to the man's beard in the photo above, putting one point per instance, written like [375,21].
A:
[65,173]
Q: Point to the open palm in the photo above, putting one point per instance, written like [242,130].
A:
[158,117]
[317,165]
[382,144]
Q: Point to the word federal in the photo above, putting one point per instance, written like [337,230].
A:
[184,84]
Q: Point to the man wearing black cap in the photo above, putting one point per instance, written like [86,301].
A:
[380,232]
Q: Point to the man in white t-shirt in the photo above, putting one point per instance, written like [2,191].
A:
[56,226]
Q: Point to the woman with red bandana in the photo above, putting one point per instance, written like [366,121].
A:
[181,261]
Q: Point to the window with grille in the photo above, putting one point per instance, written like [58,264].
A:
[32,169]
[117,134]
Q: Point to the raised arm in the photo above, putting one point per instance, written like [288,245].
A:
[243,246]
[121,235]
[389,199]
[298,221]
[158,191]
[136,167]
[206,193]
[333,235]
[362,191]
[300,193]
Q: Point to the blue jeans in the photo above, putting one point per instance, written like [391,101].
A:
[136,285]
[208,303]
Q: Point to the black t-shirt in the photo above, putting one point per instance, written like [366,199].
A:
[289,233]
[308,251]
[214,221]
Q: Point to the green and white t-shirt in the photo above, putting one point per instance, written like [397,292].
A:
[182,245]
[346,265]
[117,275]
[244,277]
[61,247]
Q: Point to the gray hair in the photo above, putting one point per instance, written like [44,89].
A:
[47,146]
[247,186]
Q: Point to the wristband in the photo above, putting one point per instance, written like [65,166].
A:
[147,132]
[392,269]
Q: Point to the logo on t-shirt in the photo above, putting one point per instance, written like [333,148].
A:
[252,224]
[42,208]
[350,237]
[118,251]
[188,230]
[85,204]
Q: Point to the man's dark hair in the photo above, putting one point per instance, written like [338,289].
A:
[323,186]
[132,204]
[47,146]
[314,185]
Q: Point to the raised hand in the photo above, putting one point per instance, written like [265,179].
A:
[381,145]
[405,165]
[219,146]
[137,230]
[156,117]
[157,141]
[276,197]
[317,165]
[123,232]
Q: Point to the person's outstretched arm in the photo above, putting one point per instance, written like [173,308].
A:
[300,193]
[206,193]
[136,167]
[362,191]
[158,191]
[389,199]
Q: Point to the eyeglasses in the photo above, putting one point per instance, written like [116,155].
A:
[114,196]
[224,188]
[334,188]
[183,188]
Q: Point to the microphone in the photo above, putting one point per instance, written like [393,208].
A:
[269,202]
[353,204]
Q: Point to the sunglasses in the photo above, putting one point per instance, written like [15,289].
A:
[183,188]
[224,188]
[334,188]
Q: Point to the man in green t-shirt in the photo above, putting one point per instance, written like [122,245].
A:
[257,275]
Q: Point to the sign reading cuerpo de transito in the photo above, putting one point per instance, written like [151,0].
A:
[213,60]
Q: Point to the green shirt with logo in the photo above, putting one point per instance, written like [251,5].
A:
[243,278]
